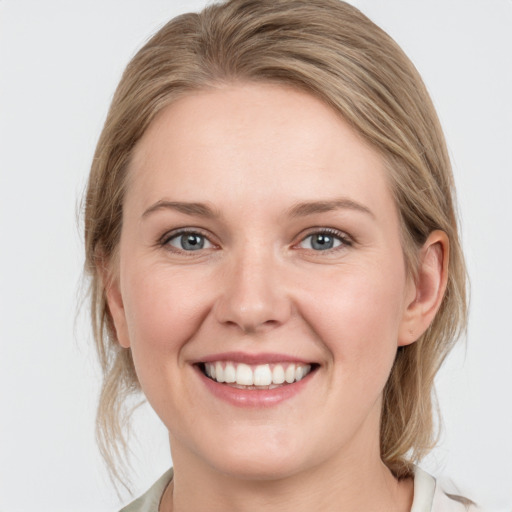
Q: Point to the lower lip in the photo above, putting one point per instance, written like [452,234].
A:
[254,397]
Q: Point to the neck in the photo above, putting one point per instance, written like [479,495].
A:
[378,491]
[352,481]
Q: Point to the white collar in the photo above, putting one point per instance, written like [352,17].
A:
[424,489]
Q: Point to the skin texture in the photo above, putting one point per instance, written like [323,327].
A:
[251,153]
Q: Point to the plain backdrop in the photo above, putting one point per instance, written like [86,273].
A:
[60,62]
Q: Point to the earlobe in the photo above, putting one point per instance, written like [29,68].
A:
[428,289]
[115,305]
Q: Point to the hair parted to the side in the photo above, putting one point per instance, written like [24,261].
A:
[331,50]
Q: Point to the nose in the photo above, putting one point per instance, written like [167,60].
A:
[253,294]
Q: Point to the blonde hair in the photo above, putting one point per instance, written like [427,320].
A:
[331,50]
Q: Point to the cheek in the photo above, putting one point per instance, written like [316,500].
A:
[357,314]
[163,311]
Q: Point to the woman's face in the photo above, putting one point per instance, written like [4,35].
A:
[260,244]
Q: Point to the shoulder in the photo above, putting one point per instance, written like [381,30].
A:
[431,495]
[150,500]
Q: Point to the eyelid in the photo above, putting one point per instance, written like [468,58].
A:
[347,240]
[163,240]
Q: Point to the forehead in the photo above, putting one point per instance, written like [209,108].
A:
[250,140]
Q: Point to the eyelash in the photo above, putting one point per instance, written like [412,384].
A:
[345,240]
[168,236]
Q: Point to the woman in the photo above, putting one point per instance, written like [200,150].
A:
[275,262]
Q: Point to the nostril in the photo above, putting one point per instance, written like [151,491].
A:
[252,306]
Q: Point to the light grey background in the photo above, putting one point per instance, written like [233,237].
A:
[59,64]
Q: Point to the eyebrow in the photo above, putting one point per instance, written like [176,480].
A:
[298,210]
[196,209]
[312,207]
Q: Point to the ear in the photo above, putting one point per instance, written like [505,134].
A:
[110,281]
[427,292]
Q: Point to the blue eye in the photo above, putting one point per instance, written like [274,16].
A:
[189,241]
[323,241]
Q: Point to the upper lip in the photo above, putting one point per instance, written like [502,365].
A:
[252,359]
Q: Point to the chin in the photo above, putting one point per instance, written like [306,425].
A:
[260,468]
[261,459]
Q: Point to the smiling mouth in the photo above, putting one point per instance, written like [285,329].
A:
[260,376]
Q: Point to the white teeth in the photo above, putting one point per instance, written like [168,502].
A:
[263,375]
[244,375]
[289,374]
[229,373]
[278,374]
[219,372]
